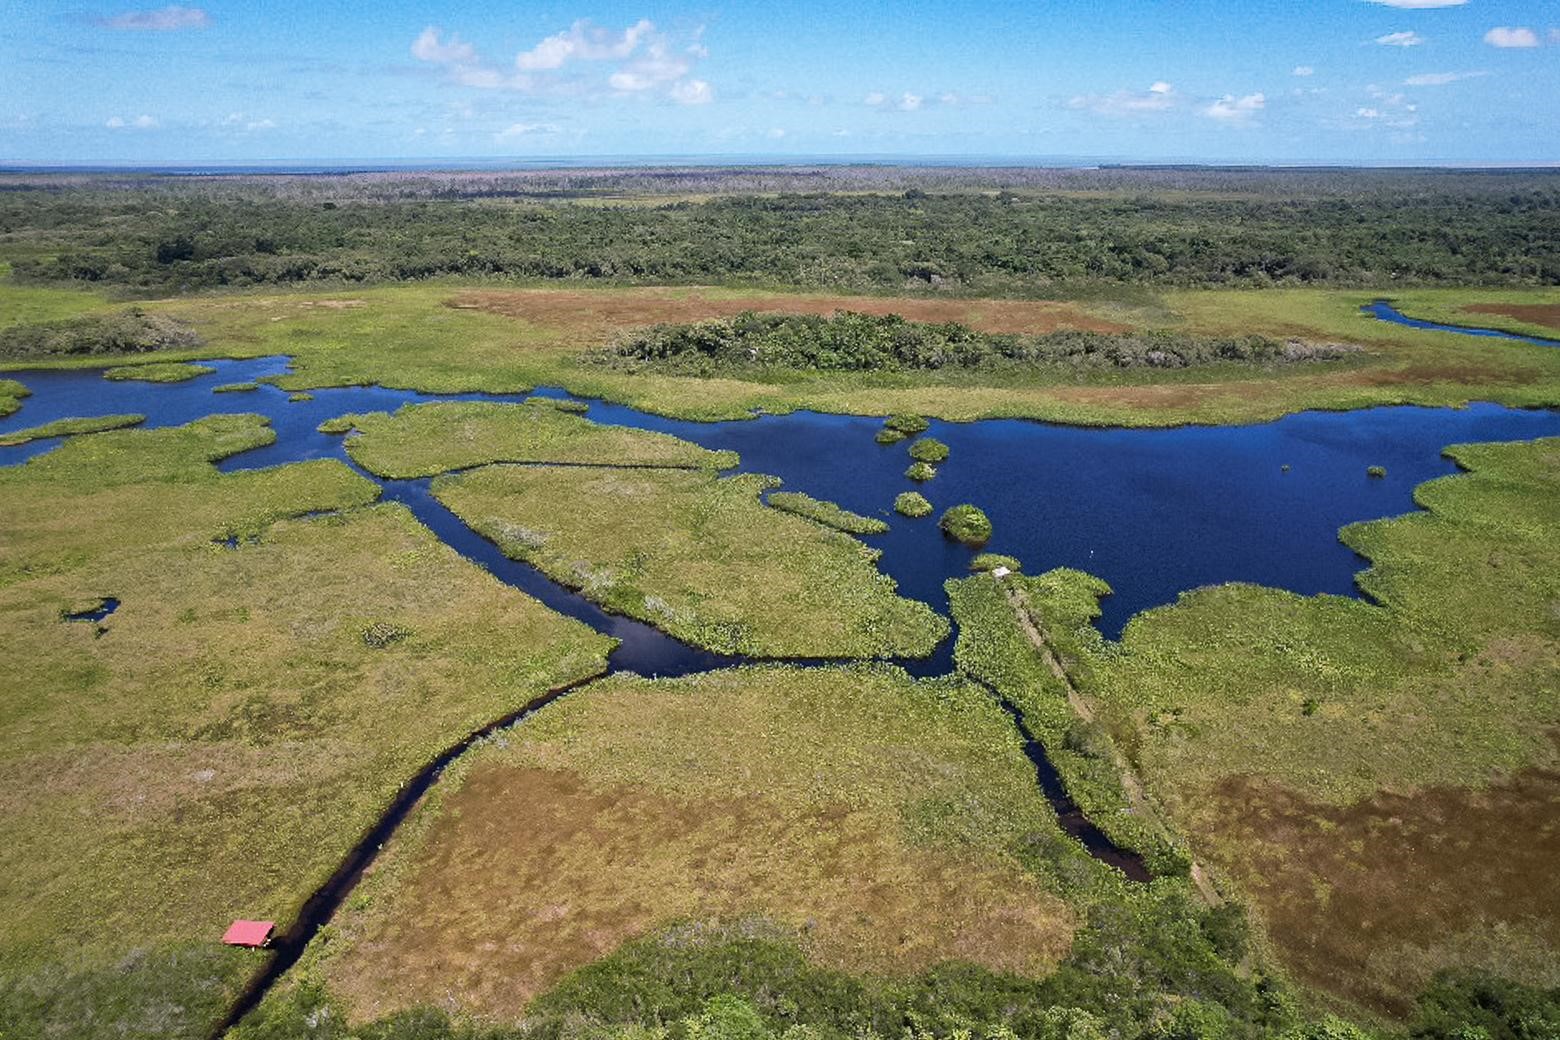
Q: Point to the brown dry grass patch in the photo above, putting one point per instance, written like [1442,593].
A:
[602,315]
[1537,313]
[530,873]
[1366,901]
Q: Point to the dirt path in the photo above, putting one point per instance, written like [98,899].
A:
[1131,783]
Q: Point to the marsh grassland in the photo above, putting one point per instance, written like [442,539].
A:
[1348,806]
[837,847]
[422,440]
[212,748]
[1381,780]
[698,556]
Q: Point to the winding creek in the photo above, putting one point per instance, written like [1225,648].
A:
[1155,512]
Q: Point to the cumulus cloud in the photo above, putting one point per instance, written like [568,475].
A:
[1401,39]
[1440,79]
[585,42]
[1502,36]
[163,19]
[429,47]
[1419,5]
[1159,97]
[1303,70]
[1236,110]
[641,59]
[141,122]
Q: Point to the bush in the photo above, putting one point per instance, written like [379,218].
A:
[1376,472]
[906,424]
[912,504]
[826,513]
[921,471]
[929,449]
[888,436]
[966,523]
[128,332]
[991,561]
[1461,1006]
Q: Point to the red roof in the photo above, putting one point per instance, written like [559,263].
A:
[248,933]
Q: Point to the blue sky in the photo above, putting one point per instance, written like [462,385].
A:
[1369,81]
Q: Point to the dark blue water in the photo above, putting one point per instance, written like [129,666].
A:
[1153,512]
[1386,312]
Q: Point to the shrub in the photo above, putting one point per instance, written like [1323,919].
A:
[1376,472]
[991,561]
[128,332]
[912,504]
[921,471]
[966,523]
[906,424]
[929,449]
[888,436]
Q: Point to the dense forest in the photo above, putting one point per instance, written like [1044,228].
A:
[967,232]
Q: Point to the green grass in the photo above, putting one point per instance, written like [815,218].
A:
[11,394]
[827,513]
[698,556]
[235,388]
[966,523]
[69,427]
[158,372]
[1451,308]
[420,440]
[29,304]
[991,561]
[912,504]
[212,748]
[993,648]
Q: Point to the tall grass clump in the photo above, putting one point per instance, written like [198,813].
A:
[929,449]
[966,523]
[912,504]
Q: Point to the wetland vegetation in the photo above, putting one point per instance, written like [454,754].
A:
[698,556]
[1347,804]
[420,440]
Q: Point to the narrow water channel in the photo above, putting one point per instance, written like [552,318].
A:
[1383,310]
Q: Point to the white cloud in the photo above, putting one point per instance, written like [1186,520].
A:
[775,134]
[874,99]
[163,19]
[1303,70]
[1440,79]
[585,42]
[643,60]
[692,92]
[261,124]
[1419,5]
[1501,36]
[526,130]
[428,47]
[909,102]
[1400,39]
[1232,109]
[1159,97]
[141,122]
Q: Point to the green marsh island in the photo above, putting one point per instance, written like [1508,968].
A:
[506,591]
